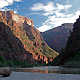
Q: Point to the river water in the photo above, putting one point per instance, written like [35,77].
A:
[44,73]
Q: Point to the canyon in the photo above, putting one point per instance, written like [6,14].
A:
[21,41]
[70,56]
[57,37]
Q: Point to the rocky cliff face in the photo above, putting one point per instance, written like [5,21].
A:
[11,47]
[7,15]
[72,50]
[57,37]
[27,39]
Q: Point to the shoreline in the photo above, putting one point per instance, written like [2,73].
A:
[40,76]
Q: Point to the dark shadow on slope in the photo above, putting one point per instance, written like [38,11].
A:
[11,47]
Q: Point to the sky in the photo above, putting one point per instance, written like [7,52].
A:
[46,14]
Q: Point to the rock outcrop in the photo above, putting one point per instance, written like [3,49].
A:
[11,47]
[72,51]
[57,37]
[21,41]
[5,71]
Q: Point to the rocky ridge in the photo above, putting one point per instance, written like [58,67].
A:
[71,54]
[57,37]
[25,37]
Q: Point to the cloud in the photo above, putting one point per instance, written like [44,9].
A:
[56,14]
[4,3]
[15,11]
[10,2]
[49,8]
[18,0]
[57,20]
[34,13]
[42,7]
[44,28]
[63,7]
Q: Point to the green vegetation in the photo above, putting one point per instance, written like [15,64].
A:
[2,61]
[7,20]
[14,63]
[19,26]
[19,39]
[48,51]
[36,31]
[73,62]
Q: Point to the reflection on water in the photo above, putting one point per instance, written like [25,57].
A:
[50,69]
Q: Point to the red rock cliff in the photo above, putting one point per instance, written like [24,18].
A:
[23,29]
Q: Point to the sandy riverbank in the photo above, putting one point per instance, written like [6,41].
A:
[40,76]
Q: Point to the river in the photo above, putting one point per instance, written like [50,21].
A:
[44,73]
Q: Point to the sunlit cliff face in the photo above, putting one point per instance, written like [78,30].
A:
[21,19]
[18,18]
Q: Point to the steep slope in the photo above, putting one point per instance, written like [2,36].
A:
[57,37]
[23,29]
[11,47]
[71,54]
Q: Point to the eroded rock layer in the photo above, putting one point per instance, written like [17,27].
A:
[21,41]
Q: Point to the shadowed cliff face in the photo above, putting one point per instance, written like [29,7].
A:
[23,29]
[11,47]
[72,50]
[57,37]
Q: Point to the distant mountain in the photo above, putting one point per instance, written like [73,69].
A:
[70,57]
[57,37]
[21,41]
